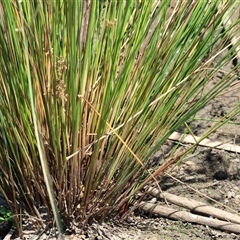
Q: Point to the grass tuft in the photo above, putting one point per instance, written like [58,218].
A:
[89,90]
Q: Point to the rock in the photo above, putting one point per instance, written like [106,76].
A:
[230,194]
[220,175]
[215,194]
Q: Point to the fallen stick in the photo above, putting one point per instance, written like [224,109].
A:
[189,217]
[196,206]
[176,136]
[9,235]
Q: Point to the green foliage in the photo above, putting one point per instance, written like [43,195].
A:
[5,214]
[88,92]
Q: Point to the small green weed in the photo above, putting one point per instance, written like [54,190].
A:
[6,215]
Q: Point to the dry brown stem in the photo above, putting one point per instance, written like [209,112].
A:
[189,217]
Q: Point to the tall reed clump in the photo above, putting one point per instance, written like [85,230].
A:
[89,90]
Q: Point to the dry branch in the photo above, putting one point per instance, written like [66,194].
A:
[189,217]
[197,207]
[206,142]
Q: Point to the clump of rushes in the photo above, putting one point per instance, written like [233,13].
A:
[89,90]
